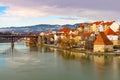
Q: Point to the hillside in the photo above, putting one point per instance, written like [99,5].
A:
[36,28]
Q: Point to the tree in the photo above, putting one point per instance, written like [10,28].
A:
[67,43]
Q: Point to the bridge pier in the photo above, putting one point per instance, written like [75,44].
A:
[12,43]
[15,37]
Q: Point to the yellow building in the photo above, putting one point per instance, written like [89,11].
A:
[102,43]
[95,26]
[83,27]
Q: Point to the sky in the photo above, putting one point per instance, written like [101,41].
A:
[15,13]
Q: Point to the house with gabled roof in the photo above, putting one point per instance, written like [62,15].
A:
[109,31]
[64,30]
[73,32]
[114,26]
[102,43]
[87,40]
[95,25]
[83,27]
[107,24]
[112,36]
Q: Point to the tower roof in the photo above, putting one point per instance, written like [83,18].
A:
[109,31]
[102,39]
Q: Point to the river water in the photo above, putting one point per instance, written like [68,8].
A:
[24,63]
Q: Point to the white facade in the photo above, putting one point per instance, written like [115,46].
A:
[101,28]
[42,34]
[114,26]
[55,37]
[62,36]
[112,37]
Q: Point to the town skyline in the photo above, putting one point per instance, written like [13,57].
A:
[32,12]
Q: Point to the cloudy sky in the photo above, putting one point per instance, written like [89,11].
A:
[32,12]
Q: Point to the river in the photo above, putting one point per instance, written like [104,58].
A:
[43,63]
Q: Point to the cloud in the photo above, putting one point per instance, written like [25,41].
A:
[69,18]
[89,4]
[25,12]
[9,19]
[100,14]
[89,9]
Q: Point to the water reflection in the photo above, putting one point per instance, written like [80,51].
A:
[99,61]
[105,67]
[47,63]
[102,60]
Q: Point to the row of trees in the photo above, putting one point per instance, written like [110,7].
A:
[67,43]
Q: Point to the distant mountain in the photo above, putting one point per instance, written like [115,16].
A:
[36,28]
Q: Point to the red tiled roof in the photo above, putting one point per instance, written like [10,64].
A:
[97,23]
[82,25]
[108,23]
[86,33]
[65,30]
[109,31]
[102,39]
